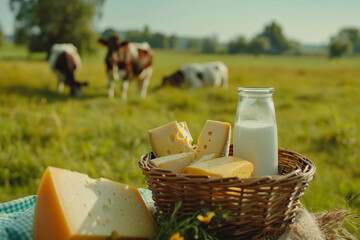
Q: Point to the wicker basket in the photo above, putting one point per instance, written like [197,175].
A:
[262,206]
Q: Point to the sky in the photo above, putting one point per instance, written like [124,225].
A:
[307,21]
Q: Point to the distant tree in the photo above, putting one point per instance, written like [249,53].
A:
[259,45]
[136,36]
[41,23]
[337,48]
[278,42]
[193,44]
[156,40]
[173,41]
[294,48]
[350,35]
[21,36]
[1,36]
[146,31]
[108,32]
[237,46]
[209,45]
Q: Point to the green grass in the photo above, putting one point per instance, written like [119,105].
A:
[316,101]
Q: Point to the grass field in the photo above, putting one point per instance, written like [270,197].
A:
[316,100]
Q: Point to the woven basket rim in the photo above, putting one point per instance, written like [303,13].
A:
[301,173]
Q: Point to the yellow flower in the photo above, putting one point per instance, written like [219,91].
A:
[205,219]
[43,100]
[176,236]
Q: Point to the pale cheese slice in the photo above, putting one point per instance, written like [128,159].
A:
[214,138]
[175,162]
[221,167]
[171,138]
[71,205]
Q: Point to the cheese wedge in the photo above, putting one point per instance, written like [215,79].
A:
[214,138]
[175,162]
[221,167]
[171,138]
[206,157]
[71,205]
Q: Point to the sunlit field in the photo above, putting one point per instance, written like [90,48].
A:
[316,101]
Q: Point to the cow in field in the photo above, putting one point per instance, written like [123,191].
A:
[64,60]
[197,75]
[127,61]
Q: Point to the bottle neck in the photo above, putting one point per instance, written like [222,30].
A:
[256,104]
[242,95]
[255,92]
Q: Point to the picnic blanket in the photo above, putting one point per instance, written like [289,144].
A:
[16,221]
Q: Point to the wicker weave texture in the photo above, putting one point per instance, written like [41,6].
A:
[261,206]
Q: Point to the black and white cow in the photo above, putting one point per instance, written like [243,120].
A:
[197,75]
[127,60]
[64,60]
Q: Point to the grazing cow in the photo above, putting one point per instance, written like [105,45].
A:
[64,61]
[126,60]
[197,75]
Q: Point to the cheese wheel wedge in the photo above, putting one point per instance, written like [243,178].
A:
[171,138]
[206,157]
[175,162]
[221,167]
[71,205]
[214,138]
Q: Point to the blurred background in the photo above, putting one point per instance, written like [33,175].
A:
[253,27]
[307,50]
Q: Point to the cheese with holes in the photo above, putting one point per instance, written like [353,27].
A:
[171,138]
[175,162]
[222,167]
[71,205]
[214,138]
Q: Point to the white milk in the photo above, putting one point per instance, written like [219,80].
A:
[256,141]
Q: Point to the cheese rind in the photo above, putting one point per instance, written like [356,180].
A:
[214,138]
[221,167]
[175,162]
[171,138]
[71,205]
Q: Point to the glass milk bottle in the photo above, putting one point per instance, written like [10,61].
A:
[255,133]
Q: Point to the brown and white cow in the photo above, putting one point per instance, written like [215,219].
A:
[198,75]
[127,60]
[64,60]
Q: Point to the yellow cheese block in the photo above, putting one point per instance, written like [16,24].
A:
[222,167]
[171,138]
[214,138]
[71,205]
[175,162]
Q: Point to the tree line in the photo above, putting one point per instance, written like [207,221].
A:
[270,41]
[347,41]
[40,24]
[1,36]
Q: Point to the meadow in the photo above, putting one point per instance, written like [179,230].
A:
[316,101]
